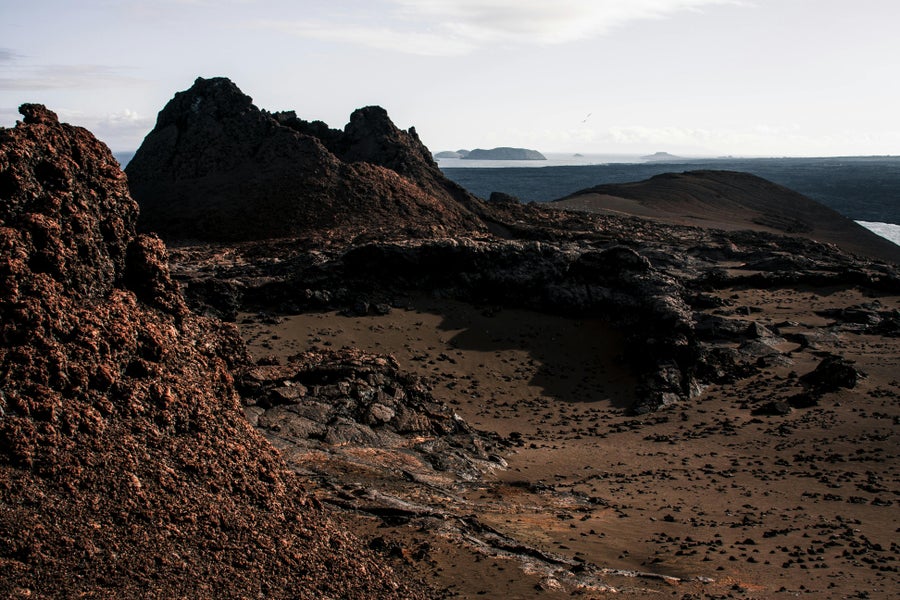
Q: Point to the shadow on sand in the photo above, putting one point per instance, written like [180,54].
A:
[569,359]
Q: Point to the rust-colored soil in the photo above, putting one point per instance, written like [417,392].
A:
[704,498]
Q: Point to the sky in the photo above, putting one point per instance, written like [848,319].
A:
[690,77]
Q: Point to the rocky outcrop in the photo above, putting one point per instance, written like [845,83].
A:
[216,167]
[127,468]
[656,283]
[70,214]
[345,401]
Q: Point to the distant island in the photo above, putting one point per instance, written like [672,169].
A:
[505,153]
[660,156]
[452,154]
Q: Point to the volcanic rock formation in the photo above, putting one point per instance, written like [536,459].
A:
[126,467]
[217,168]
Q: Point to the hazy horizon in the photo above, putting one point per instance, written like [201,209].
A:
[691,77]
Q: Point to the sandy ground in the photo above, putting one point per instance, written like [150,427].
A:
[705,499]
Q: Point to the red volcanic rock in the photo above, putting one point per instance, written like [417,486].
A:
[126,467]
[216,167]
[66,208]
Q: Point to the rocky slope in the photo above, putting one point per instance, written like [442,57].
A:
[737,355]
[216,167]
[126,466]
[732,200]
[649,281]
[646,279]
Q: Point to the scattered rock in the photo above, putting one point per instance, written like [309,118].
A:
[774,408]
[348,398]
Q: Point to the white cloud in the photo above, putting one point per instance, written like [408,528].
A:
[455,27]
[7,55]
[56,77]
[763,139]
[121,130]
[127,118]
[527,21]
[383,38]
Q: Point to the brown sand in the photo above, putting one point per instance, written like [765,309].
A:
[705,499]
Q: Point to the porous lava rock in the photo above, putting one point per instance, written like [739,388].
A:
[126,466]
[217,168]
[349,399]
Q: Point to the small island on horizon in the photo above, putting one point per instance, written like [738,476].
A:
[452,154]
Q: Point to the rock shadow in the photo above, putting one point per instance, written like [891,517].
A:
[570,359]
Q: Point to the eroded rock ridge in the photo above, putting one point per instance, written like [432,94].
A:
[217,168]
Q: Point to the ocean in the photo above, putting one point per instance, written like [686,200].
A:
[865,189]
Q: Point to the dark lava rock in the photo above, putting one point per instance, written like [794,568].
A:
[348,398]
[126,467]
[216,167]
[611,261]
[833,373]
[503,198]
[805,399]
[869,316]
[774,408]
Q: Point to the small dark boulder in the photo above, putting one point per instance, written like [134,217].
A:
[833,373]
[775,408]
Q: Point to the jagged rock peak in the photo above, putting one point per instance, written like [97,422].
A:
[216,167]
[66,202]
[372,137]
[38,114]
[216,98]
[372,118]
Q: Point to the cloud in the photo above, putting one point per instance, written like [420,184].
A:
[7,55]
[56,77]
[122,130]
[761,139]
[455,27]
[523,21]
[423,43]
